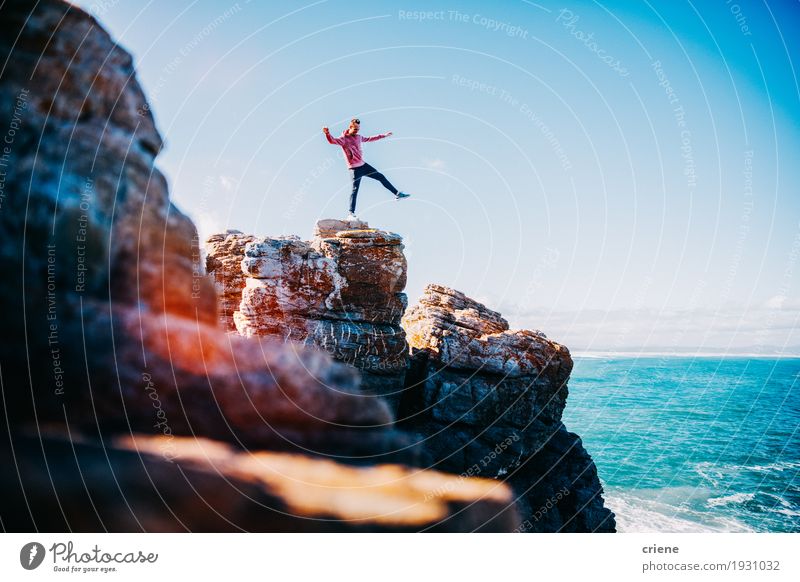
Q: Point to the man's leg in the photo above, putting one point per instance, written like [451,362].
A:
[371,172]
[355,174]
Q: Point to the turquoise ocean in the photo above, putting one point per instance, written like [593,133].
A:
[692,444]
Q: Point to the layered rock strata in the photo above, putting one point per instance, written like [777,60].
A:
[110,324]
[341,292]
[488,401]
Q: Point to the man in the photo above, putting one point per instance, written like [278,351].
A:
[350,141]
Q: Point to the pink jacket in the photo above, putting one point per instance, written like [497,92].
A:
[351,144]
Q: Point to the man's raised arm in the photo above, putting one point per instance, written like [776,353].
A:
[331,139]
[376,137]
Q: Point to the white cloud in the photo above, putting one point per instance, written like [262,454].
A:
[756,330]
[783,302]
[435,164]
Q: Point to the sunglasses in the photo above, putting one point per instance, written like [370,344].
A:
[356,121]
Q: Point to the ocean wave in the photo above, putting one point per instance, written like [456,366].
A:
[636,514]
[716,473]
[780,466]
[710,472]
[779,499]
[727,499]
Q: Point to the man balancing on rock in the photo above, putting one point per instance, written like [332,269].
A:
[350,141]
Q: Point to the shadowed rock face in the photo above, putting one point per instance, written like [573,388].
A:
[340,292]
[109,314]
[110,325]
[488,401]
[155,484]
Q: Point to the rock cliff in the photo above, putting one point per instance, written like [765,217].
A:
[111,328]
[108,302]
[478,398]
[488,401]
[340,292]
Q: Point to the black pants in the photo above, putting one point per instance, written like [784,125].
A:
[369,172]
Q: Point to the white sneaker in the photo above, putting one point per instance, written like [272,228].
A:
[351,217]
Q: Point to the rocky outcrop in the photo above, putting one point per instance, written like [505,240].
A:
[110,311]
[341,292]
[110,324]
[488,401]
[224,254]
[158,484]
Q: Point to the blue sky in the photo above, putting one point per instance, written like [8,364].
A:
[618,175]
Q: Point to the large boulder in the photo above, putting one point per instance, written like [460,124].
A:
[488,401]
[341,292]
[109,309]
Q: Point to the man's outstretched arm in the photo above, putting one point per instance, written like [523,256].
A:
[331,139]
[376,137]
